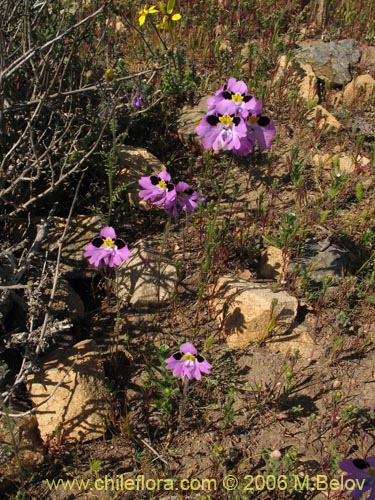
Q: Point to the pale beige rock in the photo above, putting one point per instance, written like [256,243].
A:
[271,263]
[361,89]
[335,98]
[342,162]
[308,82]
[324,160]
[79,407]
[133,164]
[325,120]
[147,280]
[22,433]
[368,59]
[299,340]
[247,310]
[349,166]
[308,87]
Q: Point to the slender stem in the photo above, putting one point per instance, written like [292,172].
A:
[184,400]
[162,248]
[211,228]
[111,166]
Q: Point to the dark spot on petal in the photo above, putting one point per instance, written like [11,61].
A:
[177,356]
[170,186]
[263,121]
[154,180]
[227,95]
[360,464]
[120,243]
[247,98]
[98,241]
[236,120]
[225,87]
[189,191]
[212,120]
[200,358]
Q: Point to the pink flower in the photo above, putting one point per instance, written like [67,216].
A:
[107,249]
[237,92]
[158,189]
[185,198]
[188,363]
[221,128]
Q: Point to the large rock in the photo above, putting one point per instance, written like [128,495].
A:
[79,407]
[67,303]
[321,260]
[147,279]
[133,164]
[251,312]
[331,61]
[82,229]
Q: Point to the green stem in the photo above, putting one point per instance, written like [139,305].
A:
[211,228]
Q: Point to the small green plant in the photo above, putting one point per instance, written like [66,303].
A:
[228,407]
[166,385]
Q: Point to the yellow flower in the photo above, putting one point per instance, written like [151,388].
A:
[168,15]
[109,74]
[144,12]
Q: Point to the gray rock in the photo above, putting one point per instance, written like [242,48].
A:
[332,61]
[363,124]
[321,259]
[189,118]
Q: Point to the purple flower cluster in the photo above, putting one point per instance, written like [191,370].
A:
[234,121]
[188,363]
[106,249]
[161,192]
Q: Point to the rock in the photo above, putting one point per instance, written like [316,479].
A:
[79,407]
[367,62]
[303,72]
[321,260]
[271,263]
[343,162]
[19,434]
[325,120]
[147,280]
[299,339]
[81,231]
[331,61]
[308,88]
[67,302]
[363,124]
[248,310]
[360,90]
[189,118]
[349,166]
[133,164]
